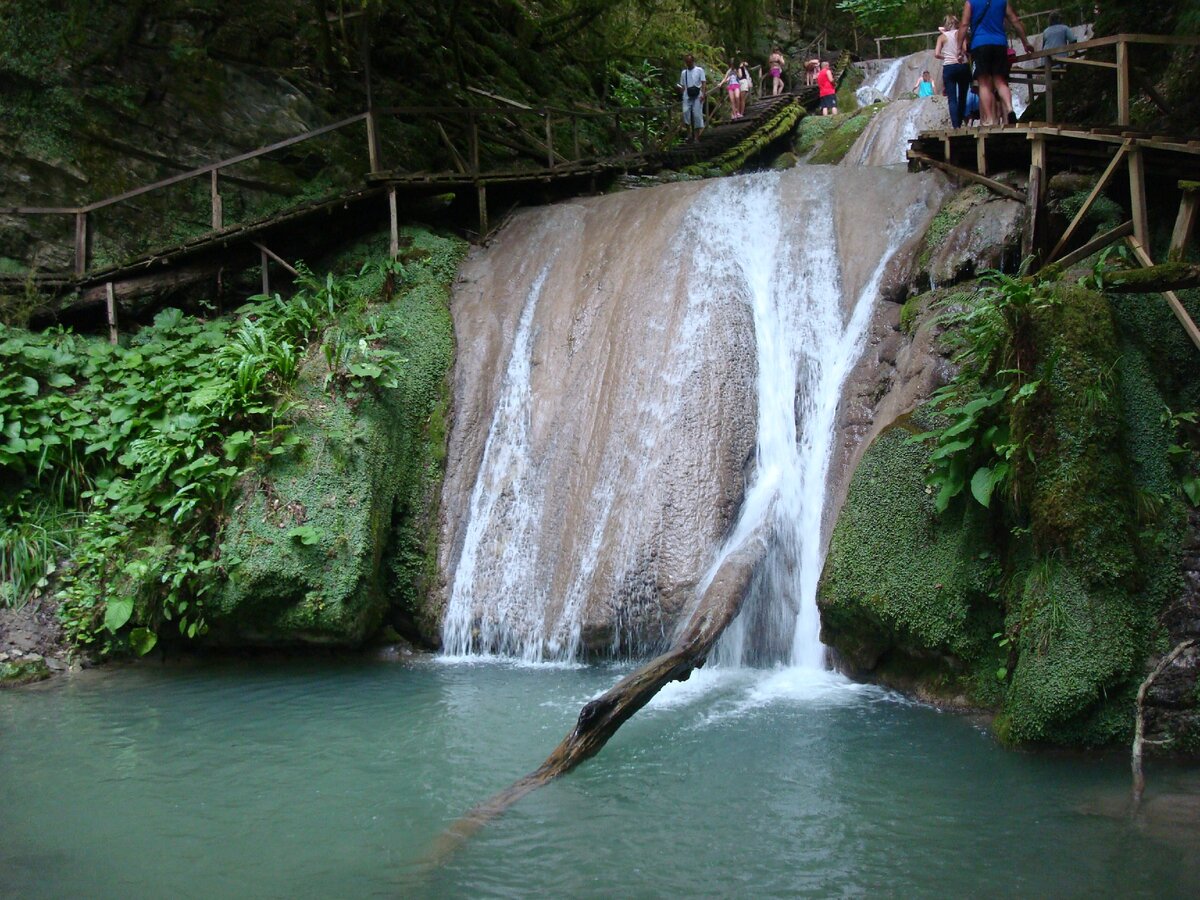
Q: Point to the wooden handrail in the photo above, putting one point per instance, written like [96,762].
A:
[1112,40]
[234,160]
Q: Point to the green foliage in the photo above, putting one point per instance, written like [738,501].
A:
[148,441]
[841,137]
[976,445]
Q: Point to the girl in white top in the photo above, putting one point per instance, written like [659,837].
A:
[956,72]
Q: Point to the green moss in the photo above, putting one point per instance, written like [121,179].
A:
[948,218]
[367,481]
[847,99]
[838,143]
[810,131]
[735,157]
[16,672]
[901,583]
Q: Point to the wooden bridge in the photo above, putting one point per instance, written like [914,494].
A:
[1154,169]
[481,147]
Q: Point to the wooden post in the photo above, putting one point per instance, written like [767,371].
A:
[981,153]
[483,210]
[373,140]
[1123,84]
[575,137]
[1137,196]
[1033,242]
[111,303]
[218,212]
[878,49]
[549,140]
[1049,75]
[82,244]
[1185,222]
[266,275]
[474,142]
[394,246]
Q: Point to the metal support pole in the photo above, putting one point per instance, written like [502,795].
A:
[266,274]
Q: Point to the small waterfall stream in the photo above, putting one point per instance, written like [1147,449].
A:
[772,274]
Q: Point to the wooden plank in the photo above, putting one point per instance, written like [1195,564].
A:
[1185,223]
[981,153]
[1002,189]
[38,210]
[111,308]
[1173,301]
[483,211]
[459,163]
[1031,236]
[1095,245]
[481,92]
[1137,196]
[279,259]
[1096,191]
[1080,61]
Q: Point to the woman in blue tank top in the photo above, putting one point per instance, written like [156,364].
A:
[989,49]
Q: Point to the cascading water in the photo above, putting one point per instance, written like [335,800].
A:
[773,275]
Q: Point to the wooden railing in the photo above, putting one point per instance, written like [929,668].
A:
[559,136]
[930,37]
[1055,62]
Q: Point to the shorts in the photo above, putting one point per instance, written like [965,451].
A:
[746,84]
[734,87]
[693,112]
[829,101]
[990,59]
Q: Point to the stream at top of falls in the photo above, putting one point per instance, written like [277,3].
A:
[328,778]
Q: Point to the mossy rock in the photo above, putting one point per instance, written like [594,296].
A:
[16,672]
[841,138]
[359,492]
[901,584]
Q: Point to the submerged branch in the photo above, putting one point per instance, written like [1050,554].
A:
[600,718]
[1139,778]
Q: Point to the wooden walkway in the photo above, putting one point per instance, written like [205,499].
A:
[494,147]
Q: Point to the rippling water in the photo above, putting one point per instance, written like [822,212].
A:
[334,779]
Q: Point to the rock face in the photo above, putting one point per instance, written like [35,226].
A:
[636,421]
[605,399]
[885,140]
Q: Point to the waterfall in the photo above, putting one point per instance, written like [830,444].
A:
[645,380]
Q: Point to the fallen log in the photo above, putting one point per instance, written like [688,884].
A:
[600,718]
[1169,276]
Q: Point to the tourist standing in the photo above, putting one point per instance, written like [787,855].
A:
[747,85]
[692,86]
[1056,35]
[775,65]
[734,86]
[827,90]
[924,87]
[989,49]
[956,73]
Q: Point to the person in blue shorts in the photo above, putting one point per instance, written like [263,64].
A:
[989,48]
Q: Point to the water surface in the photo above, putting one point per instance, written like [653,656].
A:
[320,779]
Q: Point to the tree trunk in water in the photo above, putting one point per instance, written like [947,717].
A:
[1139,778]
[600,718]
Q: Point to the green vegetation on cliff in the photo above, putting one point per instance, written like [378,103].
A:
[159,464]
[1032,580]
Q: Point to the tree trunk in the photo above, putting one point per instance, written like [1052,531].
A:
[599,719]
